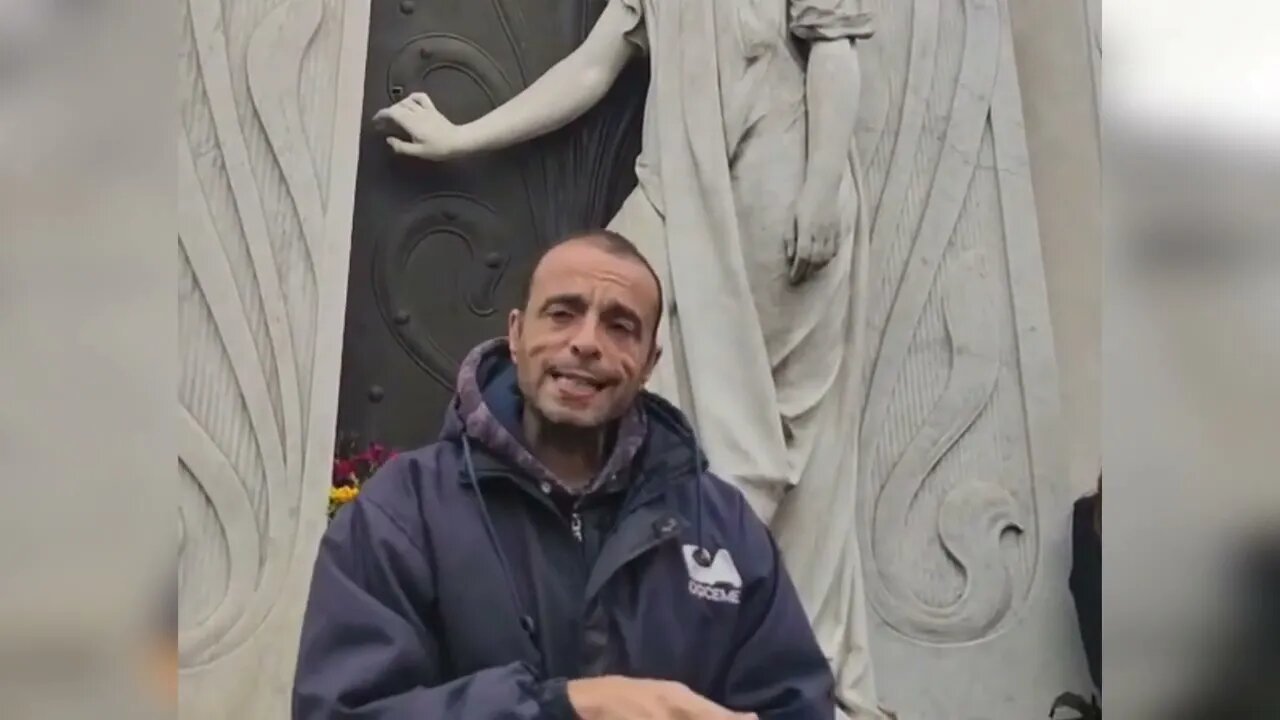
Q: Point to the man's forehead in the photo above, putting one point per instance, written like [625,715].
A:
[577,263]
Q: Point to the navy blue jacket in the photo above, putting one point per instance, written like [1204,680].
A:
[462,585]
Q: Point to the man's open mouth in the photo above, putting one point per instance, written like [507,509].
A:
[577,380]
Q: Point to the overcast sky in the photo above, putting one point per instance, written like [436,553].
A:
[1216,63]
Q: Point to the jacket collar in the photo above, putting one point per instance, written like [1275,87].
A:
[487,407]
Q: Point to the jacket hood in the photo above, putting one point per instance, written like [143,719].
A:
[487,408]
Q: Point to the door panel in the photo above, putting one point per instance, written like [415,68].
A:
[440,250]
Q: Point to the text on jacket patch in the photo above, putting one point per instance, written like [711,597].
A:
[717,582]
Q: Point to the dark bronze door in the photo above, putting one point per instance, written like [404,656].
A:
[439,250]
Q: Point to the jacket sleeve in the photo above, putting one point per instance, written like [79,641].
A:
[369,651]
[778,670]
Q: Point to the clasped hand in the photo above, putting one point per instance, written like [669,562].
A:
[623,698]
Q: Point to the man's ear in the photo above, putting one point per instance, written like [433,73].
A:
[515,325]
[654,357]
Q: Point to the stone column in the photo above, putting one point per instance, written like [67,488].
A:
[1059,58]
[964,497]
[270,99]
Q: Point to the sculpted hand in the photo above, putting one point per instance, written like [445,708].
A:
[431,136]
[819,229]
[622,698]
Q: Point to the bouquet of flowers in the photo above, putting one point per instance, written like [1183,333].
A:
[353,465]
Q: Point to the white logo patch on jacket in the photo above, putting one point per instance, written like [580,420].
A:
[718,582]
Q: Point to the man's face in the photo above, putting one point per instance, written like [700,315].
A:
[583,346]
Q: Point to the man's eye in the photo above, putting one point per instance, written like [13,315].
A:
[624,327]
[561,315]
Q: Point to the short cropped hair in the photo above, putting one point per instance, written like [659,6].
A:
[614,243]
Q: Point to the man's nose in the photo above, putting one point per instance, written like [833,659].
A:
[585,342]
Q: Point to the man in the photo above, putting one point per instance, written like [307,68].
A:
[1085,583]
[1086,576]
[561,551]
[750,203]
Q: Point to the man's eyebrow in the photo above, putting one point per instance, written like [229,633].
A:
[617,309]
[572,300]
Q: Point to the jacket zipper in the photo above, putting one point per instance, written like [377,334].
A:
[575,524]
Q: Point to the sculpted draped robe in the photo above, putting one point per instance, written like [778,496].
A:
[769,372]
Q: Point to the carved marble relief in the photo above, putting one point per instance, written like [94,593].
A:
[969,515]
[938,491]
[956,495]
[264,195]
[958,461]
